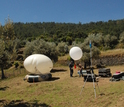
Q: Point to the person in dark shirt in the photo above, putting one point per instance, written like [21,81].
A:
[71,64]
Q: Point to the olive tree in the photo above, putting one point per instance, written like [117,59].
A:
[6,36]
[62,48]
[121,41]
[16,44]
[41,47]
[4,58]
[110,42]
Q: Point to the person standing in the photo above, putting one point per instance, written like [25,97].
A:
[71,64]
[80,68]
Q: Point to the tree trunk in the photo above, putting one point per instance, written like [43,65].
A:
[90,63]
[3,76]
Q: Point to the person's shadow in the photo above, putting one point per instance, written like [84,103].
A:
[53,78]
[57,70]
[3,88]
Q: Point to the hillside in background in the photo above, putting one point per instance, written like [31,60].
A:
[51,31]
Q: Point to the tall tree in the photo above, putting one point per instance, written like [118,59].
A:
[6,44]
[8,30]
[4,56]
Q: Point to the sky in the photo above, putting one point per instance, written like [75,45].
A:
[61,11]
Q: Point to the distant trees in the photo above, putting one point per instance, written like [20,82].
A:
[1,29]
[69,32]
[49,31]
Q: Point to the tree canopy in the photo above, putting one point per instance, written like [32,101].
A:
[67,32]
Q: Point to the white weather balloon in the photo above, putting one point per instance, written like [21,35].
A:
[38,64]
[75,53]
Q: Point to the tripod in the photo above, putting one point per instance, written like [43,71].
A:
[91,72]
[93,76]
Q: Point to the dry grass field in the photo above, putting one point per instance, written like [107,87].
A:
[62,91]
[112,52]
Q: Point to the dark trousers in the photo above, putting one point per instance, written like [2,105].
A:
[81,72]
[71,72]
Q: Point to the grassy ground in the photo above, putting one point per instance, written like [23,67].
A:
[112,52]
[62,91]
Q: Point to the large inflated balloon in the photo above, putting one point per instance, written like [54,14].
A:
[29,64]
[75,53]
[38,64]
[44,65]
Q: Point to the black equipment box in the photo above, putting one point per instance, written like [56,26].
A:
[34,79]
[90,78]
[103,72]
[118,75]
